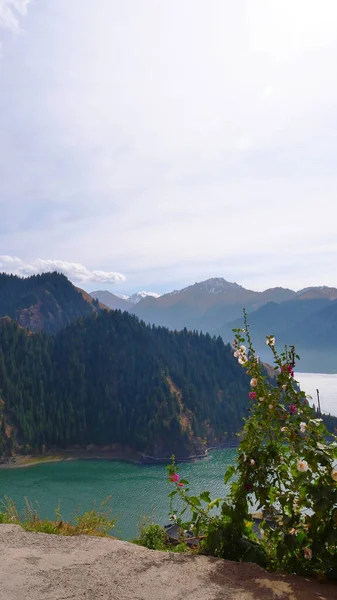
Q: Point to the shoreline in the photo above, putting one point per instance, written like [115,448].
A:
[122,455]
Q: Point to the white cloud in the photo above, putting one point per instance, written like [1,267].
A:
[10,13]
[74,271]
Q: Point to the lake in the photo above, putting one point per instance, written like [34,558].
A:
[327,386]
[136,490]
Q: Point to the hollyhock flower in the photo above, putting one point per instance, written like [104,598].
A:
[252,462]
[243,348]
[292,531]
[180,484]
[242,360]
[253,382]
[236,353]
[302,466]
[261,399]
[284,429]
[252,395]
[307,553]
[292,409]
[303,427]
[175,477]
[271,406]
[334,473]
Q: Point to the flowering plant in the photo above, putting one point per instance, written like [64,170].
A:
[285,473]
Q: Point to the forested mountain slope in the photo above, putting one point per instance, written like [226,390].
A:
[44,302]
[109,379]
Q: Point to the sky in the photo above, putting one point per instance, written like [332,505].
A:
[146,145]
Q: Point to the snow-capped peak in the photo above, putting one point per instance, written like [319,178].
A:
[135,298]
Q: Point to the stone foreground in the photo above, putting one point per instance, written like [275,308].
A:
[36,566]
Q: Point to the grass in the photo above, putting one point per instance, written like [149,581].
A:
[96,522]
[153,536]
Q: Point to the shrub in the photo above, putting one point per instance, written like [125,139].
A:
[285,468]
[152,536]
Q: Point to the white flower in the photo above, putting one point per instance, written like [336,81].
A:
[261,399]
[253,382]
[303,427]
[334,473]
[242,360]
[243,330]
[252,462]
[284,429]
[270,341]
[243,348]
[191,526]
[236,353]
[302,465]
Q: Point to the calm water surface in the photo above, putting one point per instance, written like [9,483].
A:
[136,490]
[327,385]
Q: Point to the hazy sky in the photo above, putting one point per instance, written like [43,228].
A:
[169,142]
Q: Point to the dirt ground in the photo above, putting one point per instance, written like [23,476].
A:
[36,566]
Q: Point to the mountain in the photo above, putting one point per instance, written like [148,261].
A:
[111,300]
[206,305]
[44,302]
[109,378]
[120,301]
[323,292]
[309,324]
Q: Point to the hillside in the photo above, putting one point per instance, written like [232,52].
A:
[44,302]
[309,324]
[206,305]
[111,379]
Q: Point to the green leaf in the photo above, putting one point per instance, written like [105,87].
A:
[205,496]
[195,500]
[229,474]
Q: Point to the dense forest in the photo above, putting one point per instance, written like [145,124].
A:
[44,302]
[109,378]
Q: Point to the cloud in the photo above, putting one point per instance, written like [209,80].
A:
[212,156]
[74,271]
[10,13]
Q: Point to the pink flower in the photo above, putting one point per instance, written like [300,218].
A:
[252,395]
[307,553]
[175,477]
[293,409]
[180,484]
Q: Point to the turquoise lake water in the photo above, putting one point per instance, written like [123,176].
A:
[136,490]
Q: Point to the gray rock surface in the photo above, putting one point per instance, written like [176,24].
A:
[36,566]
